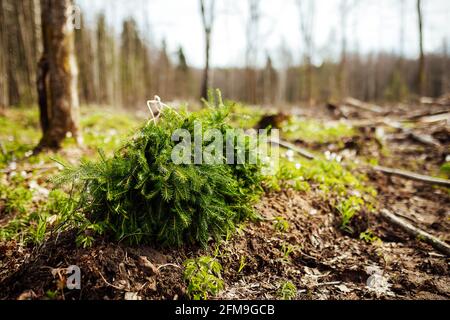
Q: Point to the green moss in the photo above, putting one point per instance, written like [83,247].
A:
[445,169]
[18,136]
[140,195]
[344,189]
[16,199]
[328,176]
[101,128]
[313,131]
[33,222]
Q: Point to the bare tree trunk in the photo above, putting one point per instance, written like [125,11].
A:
[251,51]
[307,13]
[3,64]
[346,6]
[342,74]
[421,77]
[60,116]
[42,93]
[445,83]
[208,20]
[205,83]
[12,54]
[402,30]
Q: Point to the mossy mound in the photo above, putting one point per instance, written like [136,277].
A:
[140,195]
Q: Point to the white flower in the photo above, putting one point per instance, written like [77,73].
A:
[12,166]
[356,193]
[36,187]
[290,155]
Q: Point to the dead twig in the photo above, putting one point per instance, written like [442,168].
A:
[332,283]
[436,243]
[109,284]
[422,138]
[413,176]
[430,116]
[168,265]
[294,148]
[355,103]
[43,168]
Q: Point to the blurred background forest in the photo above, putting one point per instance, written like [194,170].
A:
[123,60]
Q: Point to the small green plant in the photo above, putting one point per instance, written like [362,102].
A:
[84,240]
[51,294]
[242,263]
[347,209]
[420,238]
[286,250]
[16,199]
[445,169]
[203,276]
[32,225]
[36,233]
[287,291]
[369,237]
[281,224]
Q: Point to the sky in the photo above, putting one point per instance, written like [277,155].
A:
[373,26]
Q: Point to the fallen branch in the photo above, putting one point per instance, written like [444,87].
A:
[30,169]
[423,115]
[413,176]
[355,103]
[109,284]
[442,101]
[435,118]
[294,148]
[168,265]
[436,243]
[422,138]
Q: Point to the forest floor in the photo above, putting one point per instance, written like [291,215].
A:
[299,239]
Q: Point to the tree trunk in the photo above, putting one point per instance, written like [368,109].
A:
[208,20]
[57,75]
[421,77]
[4,102]
[205,84]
